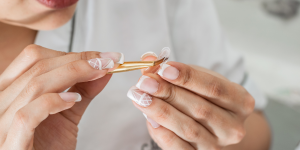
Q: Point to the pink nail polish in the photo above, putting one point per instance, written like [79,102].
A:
[139,97]
[101,63]
[118,58]
[147,84]
[152,122]
[168,72]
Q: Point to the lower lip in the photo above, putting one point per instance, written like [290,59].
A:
[57,4]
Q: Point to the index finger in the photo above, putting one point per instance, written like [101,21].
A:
[25,60]
[219,91]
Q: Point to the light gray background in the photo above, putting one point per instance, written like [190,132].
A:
[271,47]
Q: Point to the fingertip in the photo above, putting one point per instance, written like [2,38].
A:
[149,56]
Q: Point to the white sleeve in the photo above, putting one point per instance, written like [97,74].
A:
[197,38]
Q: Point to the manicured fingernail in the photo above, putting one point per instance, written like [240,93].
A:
[118,58]
[147,54]
[151,121]
[70,97]
[101,63]
[147,84]
[165,53]
[168,72]
[139,97]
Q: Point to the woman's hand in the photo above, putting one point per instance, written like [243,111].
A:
[189,107]
[34,114]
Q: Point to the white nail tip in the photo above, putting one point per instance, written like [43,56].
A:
[151,121]
[121,60]
[148,54]
[162,69]
[145,115]
[138,85]
[79,98]
[139,97]
[165,53]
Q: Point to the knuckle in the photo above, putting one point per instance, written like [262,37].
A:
[190,132]
[83,55]
[215,88]
[237,135]
[187,78]
[21,118]
[171,94]
[202,112]
[33,51]
[33,86]
[38,68]
[167,139]
[163,112]
[88,55]
[249,104]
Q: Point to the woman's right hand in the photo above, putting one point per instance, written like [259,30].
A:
[34,113]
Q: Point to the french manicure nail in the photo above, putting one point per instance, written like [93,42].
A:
[70,97]
[118,58]
[101,63]
[151,121]
[165,53]
[148,54]
[168,72]
[139,97]
[147,84]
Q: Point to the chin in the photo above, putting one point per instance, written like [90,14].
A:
[52,20]
[46,20]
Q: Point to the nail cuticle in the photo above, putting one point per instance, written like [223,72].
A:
[148,84]
[148,54]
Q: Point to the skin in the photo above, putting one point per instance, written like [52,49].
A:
[31,14]
[32,113]
[30,95]
[212,114]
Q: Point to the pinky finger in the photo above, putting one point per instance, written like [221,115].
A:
[21,132]
[167,140]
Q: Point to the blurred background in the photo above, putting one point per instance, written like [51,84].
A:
[267,33]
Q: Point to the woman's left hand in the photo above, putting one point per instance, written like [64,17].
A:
[189,107]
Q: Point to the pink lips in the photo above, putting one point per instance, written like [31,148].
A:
[57,4]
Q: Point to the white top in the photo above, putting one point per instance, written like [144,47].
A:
[189,27]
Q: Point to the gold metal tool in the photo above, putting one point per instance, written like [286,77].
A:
[136,65]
